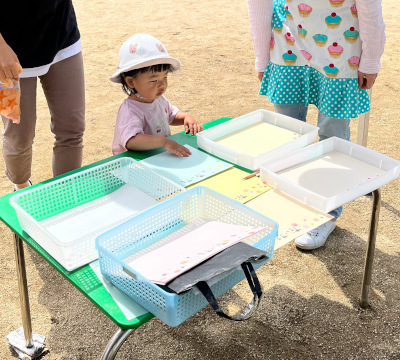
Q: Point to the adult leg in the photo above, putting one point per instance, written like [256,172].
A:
[18,138]
[64,89]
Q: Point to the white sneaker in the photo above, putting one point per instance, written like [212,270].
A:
[316,237]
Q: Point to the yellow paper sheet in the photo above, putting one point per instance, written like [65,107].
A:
[230,183]
[293,217]
[257,139]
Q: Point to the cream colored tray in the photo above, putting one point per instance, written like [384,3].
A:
[254,138]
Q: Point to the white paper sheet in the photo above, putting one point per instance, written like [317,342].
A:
[167,262]
[98,215]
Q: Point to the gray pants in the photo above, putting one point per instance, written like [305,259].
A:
[64,88]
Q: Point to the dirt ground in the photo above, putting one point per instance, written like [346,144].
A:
[310,309]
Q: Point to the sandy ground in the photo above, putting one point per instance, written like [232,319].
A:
[310,309]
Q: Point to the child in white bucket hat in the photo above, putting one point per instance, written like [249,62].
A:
[144,117]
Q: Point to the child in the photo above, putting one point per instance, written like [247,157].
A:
[321,52]
[144,117]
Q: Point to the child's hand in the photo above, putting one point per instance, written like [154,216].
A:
[174,148]
[365,81]
[191,125]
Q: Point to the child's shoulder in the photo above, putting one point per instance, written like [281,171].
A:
[128,110]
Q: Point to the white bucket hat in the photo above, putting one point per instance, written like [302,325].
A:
[139,51]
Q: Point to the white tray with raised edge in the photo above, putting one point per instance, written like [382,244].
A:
[208,139]
[330,173]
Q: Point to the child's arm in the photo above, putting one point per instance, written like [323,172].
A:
[149,142]
[191,125]
[260,17]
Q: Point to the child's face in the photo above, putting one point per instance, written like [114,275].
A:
[150,85]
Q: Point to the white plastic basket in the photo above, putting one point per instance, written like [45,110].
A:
[164,219]
[207,139]
[351,184]
[67,200]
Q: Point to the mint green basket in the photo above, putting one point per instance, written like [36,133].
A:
[80,193]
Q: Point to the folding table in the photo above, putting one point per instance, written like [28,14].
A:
[85,280]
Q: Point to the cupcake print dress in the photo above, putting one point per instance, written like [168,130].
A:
[315,57]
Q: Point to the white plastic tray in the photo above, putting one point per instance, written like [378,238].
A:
[209,140]
[330,173]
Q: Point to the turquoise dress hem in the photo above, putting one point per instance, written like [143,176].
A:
[337,98]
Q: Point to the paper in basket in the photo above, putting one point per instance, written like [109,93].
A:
[167,262]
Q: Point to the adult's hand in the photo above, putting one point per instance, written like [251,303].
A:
[365,81]
[9,63]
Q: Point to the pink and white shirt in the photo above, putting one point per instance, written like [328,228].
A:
[135,117]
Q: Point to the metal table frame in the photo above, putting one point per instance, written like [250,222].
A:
[122,334]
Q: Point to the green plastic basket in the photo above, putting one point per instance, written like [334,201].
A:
[82,192]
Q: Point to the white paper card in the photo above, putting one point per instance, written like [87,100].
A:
[169,261]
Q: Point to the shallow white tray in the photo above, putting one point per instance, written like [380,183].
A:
[330,173]
[251,139]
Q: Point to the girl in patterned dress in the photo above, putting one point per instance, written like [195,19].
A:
[321,52]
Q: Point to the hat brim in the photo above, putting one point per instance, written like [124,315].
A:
[176,64]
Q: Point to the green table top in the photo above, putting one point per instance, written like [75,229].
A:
[84,279]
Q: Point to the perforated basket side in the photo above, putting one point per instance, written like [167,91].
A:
[32,228]
[232,212]
[67,194]
[158,187]
[56,197]
[167,306]
[152,225]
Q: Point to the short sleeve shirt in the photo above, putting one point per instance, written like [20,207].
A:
[37,30]
[135,117]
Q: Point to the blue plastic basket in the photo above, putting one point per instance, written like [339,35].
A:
[164,219]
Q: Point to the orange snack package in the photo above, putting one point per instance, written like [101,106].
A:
[10,94]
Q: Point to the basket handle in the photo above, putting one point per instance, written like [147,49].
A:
[251,308]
